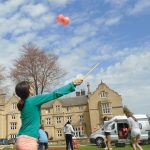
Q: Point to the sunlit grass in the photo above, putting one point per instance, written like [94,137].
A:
[145,147]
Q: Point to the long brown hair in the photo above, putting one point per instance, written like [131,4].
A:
[105,118]
[22,91]
[130,114]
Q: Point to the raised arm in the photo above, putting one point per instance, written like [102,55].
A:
[43,98]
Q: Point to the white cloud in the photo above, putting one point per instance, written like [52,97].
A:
[140,6]
[26,38]
[112,20]
[81,44]
[10,52]
[25,23]
[60,2]
[117,2]
[74,41]
[86,28]
[130,78]
[35,10]
[9,6]
[48,18]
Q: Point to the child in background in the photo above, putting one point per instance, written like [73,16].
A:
[69,132]
[107,131]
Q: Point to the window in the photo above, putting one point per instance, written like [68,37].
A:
[140,125]
[68,109]
[14,106]
[103,94]
[106,108]
[12,136]
[69,119]
[48,121]
[81,119]
[59,133]
[58,119]
[80,108]
[13,116]
[13,125]
[47,111]
[42,122]
[58,107]
[112,126]
[79,131]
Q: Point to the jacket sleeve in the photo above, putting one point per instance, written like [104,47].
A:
[72,130]
[43,98]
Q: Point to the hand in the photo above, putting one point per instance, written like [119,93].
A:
[77,81]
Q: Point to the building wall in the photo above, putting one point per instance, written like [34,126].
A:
[2,116]
[2,124]
[74,114]
[12,115]
[98,100]
[85,118]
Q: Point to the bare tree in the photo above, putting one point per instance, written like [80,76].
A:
[37,66]
[2,77]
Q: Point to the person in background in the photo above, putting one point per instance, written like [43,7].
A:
[134,128]
[29,106]
[69,132]
[43,138]
[107,131]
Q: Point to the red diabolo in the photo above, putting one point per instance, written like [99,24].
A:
[62,19]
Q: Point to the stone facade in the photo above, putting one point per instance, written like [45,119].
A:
[84,111]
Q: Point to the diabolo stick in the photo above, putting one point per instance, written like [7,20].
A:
[90,70]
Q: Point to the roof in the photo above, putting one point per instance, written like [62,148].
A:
[140,116]
[69,101]
[137,116]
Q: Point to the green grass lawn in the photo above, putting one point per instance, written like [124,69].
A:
[145,147]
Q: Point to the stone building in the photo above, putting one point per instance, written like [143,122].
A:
[85,112]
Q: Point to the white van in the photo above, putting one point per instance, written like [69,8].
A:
[119,129]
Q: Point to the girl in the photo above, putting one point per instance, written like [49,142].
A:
[107,131]
[30,106]
[135,131]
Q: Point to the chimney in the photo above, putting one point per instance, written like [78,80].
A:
[77,93]
[88,87]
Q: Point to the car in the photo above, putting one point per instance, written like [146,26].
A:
[3,141]
[148,136]
[12,141]
[118,131]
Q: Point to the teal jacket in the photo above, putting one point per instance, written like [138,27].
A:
[30,114]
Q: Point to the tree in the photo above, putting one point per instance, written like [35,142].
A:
[126,109]
[37,66]
[2,76]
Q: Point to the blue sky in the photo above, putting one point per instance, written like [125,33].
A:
[114,33]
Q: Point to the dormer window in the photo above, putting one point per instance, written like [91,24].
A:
[103,94]
[68,109]
[58,108]
[80,108]
[14,106]
[47,111]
